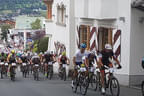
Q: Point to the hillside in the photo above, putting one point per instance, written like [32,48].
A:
[10,7]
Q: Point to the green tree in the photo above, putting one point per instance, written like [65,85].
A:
[43,44]
[36,24]
[5,31]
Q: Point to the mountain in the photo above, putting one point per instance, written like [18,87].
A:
[11,7]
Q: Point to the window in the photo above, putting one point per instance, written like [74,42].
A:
[61,12]
[104,37]
[84,35]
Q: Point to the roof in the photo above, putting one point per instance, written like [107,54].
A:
[24,21]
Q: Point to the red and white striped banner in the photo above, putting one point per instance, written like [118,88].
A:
[117,43]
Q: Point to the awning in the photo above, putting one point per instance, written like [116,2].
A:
[139,4]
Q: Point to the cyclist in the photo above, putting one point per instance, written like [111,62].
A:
[3,57]
[77,59]
[35,59]
[63,59]
[12,61]
[91,58]
[11,57]
[48,58]
[107,55]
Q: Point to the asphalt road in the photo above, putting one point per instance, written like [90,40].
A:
[44,87]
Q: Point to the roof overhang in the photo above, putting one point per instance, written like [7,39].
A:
[139,4]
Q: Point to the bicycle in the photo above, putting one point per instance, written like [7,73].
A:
[13,71]
[92,78]
[62,73]
[50,70]
[24,69]
[36,72]
[2,69]
[111,82]
[82,81]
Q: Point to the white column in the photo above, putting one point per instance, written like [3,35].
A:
[25,39]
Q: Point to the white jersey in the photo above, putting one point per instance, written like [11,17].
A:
[80,55]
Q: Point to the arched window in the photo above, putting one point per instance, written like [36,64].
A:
[61,12]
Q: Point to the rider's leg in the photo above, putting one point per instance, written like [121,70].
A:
[102,71]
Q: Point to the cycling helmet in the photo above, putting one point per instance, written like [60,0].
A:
[64,53]
[82,45]
[108,46]
[13,51]
[35,54]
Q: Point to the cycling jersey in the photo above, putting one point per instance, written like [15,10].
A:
[63,59]
[91,59]
[106,55]
[12,58]
[36,59]
[79,56]
[48,57]
[24,59]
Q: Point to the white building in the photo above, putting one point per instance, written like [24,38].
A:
[60,25]
[114,21]
[97,22]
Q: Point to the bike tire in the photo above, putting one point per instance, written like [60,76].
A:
[112,81]
[75,83]
[51,74]
[94,82]
[64,75]
[84,83]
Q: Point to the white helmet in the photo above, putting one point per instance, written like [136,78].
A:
[108,46]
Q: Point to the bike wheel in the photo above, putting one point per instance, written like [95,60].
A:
[84,83]
[51,74]
[64,75]
[75,85]
[37,75]
[94,82]
[142,88]
[114,87]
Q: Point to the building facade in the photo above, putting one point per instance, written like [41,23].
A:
[115,22]
[97,22]
[60,26]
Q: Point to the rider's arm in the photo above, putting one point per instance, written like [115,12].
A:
[74,59]
[100,64]
[117,61]
[87,62]
[68,60]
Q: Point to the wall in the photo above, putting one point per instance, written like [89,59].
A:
[124,10]
[109,9]
[137,46]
